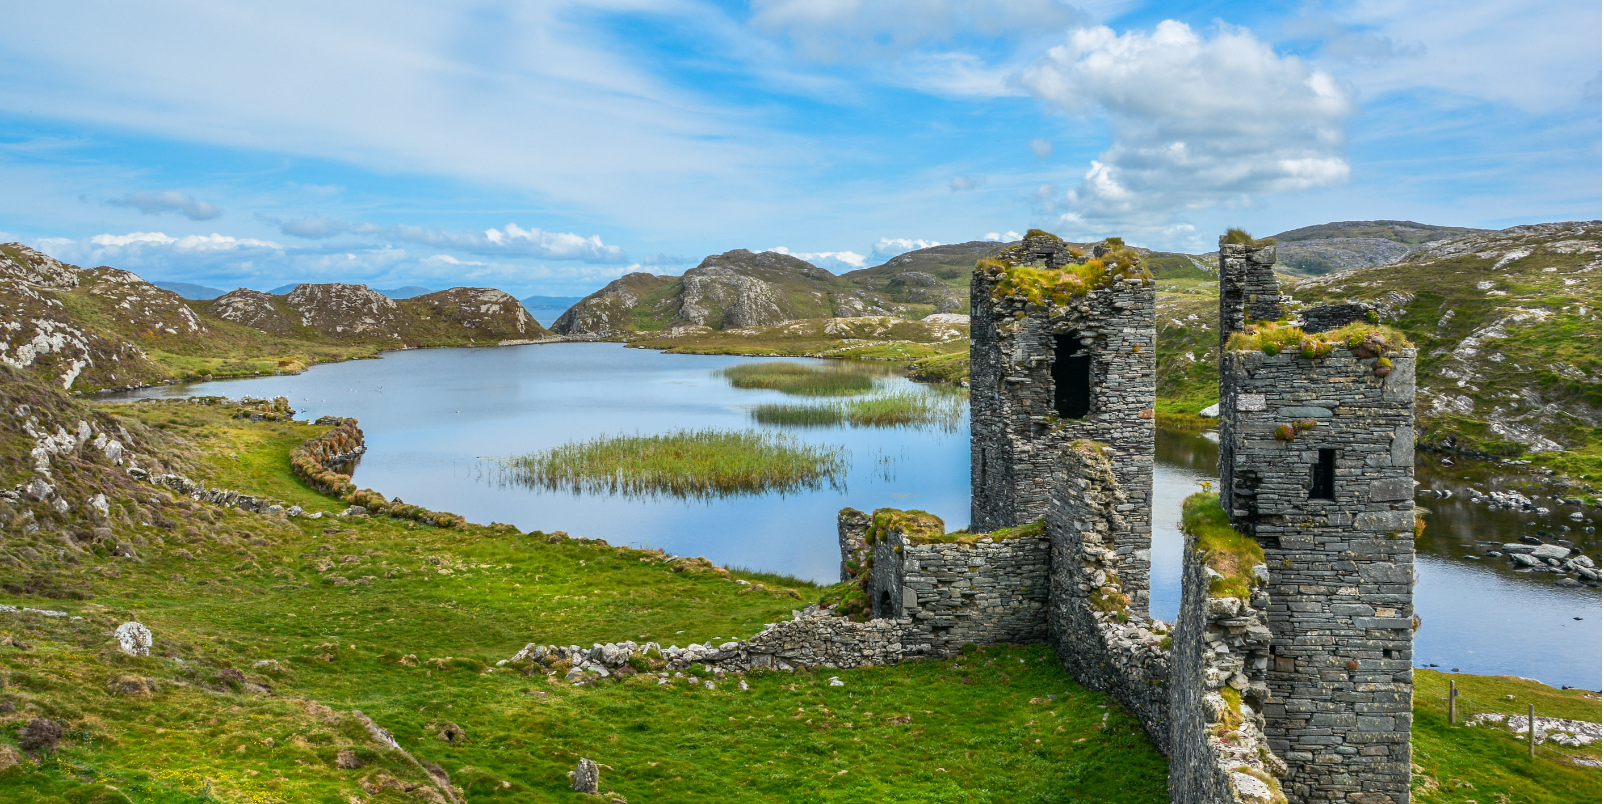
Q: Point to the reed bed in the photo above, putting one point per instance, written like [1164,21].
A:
[900,409]
[696,464]
[825,378]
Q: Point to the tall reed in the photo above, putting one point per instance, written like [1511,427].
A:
[697,464]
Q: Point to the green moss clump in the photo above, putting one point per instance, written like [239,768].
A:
[1226,550]
[1043,233]
[1057,286]
[1033,530]
[915,525]
[1364,340]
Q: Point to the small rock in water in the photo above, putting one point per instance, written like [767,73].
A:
[587,777]
[133,639]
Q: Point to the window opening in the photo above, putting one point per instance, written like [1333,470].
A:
[1072,376]
[1324,485]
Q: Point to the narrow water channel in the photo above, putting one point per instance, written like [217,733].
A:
[437,420]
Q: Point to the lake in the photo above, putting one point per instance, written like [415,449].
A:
[437,420]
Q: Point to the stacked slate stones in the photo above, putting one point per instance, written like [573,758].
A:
[1017,431]
[1317,465]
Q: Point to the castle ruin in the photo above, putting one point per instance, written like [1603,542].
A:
[1289,679]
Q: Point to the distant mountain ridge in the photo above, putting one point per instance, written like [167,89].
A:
[90,329]
[406,292]
[190,290]
[741,288]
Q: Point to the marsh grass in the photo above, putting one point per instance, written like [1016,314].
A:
[698,464]
[827,378]
[942,411]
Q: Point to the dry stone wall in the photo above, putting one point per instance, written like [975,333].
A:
[1218,692]
[1103,643]
[954,593]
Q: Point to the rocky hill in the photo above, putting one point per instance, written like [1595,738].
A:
[743,289]
[89,329]
[1328,247]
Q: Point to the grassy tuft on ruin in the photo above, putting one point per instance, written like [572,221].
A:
[1361,338]
[696,464]
[914,524]
[1058,286]
[1236,236]
[1226,550]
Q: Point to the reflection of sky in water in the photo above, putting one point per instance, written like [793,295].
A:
[431,415]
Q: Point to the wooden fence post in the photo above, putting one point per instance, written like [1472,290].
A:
[1453,700]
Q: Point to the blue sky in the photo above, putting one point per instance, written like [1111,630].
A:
[551,147]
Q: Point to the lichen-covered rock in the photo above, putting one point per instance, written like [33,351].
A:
[586,777]
[133,639]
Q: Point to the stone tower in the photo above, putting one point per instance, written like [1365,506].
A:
[1248,290]
[1317,465]
[1056,359]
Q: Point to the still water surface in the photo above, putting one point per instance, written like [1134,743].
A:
[436,420]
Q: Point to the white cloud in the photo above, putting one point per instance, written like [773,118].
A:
[887,247]
[511,239]
[1196,121]
[1007,237]
[853,30]
[962,183]
[211,242]
[514,239]
[168,201]
[1042,148]
[450,260]
[834,261]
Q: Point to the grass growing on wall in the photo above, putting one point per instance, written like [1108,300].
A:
[683,463]
[1227,551]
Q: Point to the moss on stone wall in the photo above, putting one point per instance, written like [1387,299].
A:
[1226,550]
[1363,339]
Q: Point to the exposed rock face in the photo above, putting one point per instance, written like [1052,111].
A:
[350,310]
[1346,245]
[615,309]
[356,312]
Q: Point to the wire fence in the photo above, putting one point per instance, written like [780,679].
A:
[1466,709]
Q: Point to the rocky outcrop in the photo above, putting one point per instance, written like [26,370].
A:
[742,289]
[254,309]
[486,314]
[340,310]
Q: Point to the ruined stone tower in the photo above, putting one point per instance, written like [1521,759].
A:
[1061,351]
[1317,465]
[1248,290]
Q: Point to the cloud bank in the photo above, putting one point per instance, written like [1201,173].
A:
[1197,122]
